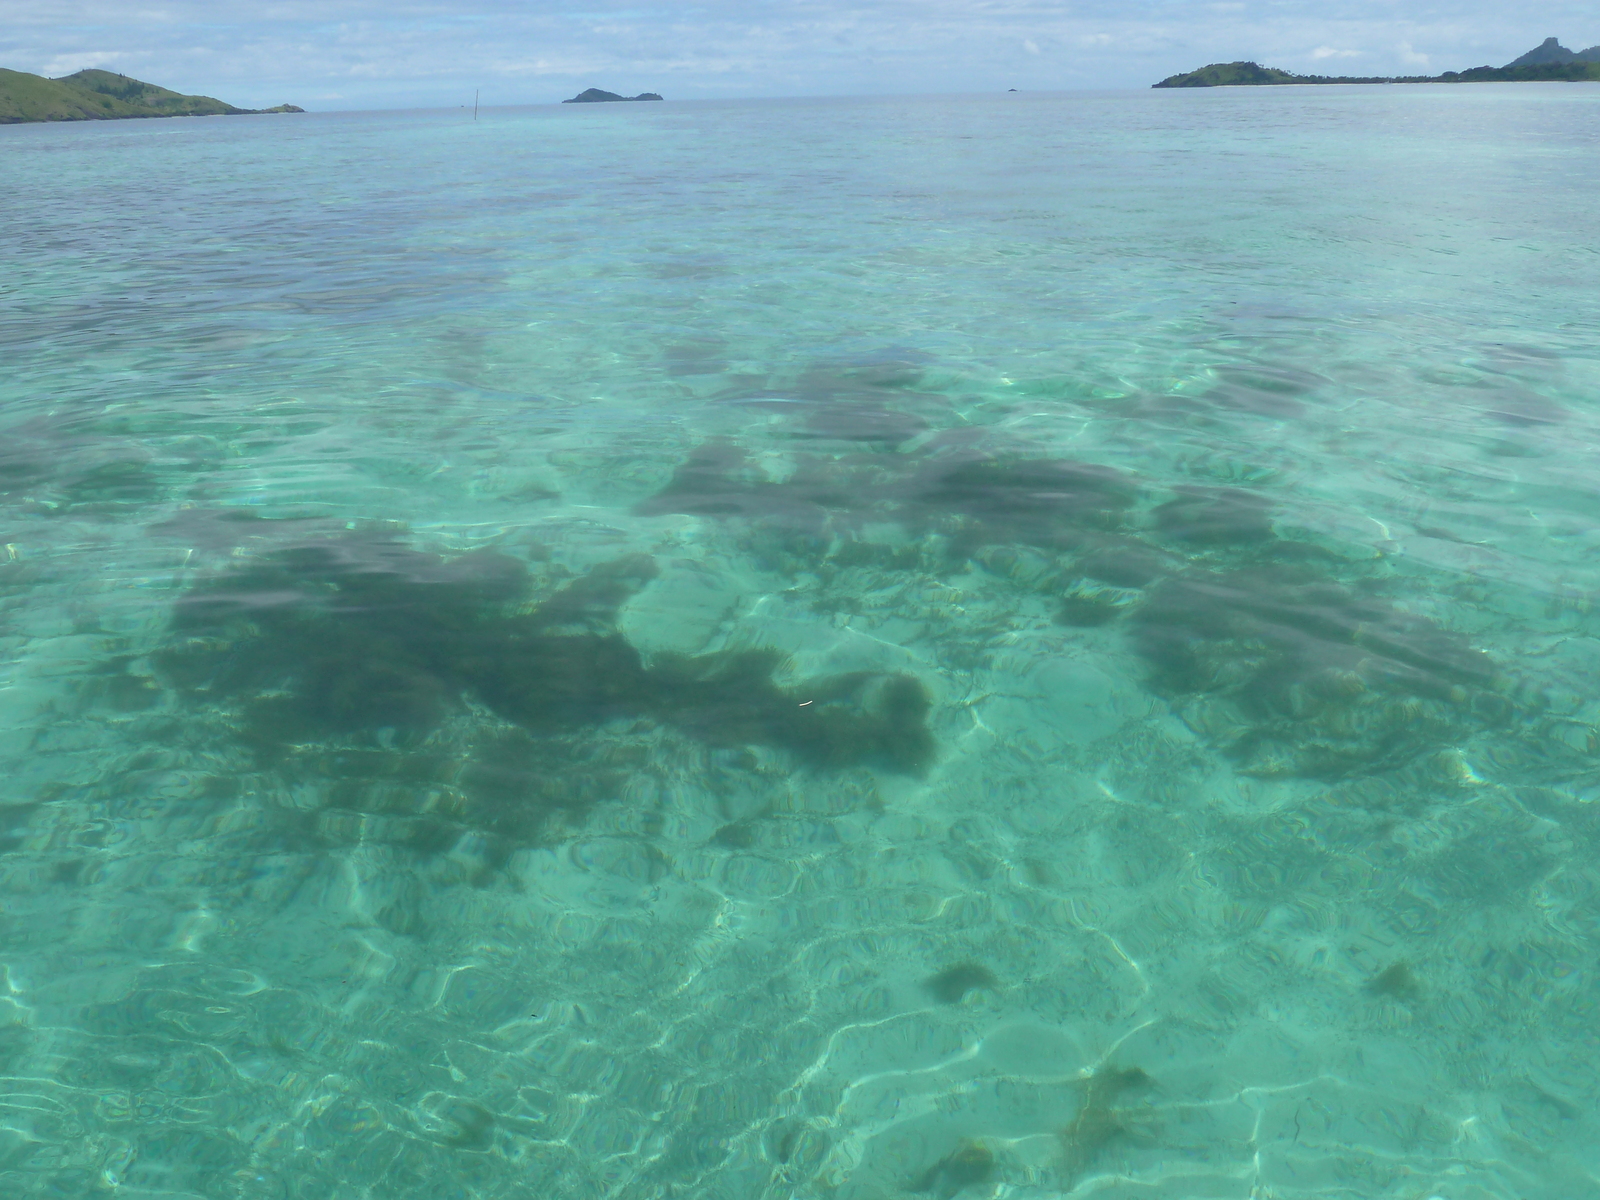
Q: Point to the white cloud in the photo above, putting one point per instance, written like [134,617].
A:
[1411,58]
[1031,46]
[67,64]
[1330,52]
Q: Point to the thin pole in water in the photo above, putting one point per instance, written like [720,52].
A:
[474,104]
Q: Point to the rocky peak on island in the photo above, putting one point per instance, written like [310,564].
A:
[1552,51]
[1548,62]
[596,96]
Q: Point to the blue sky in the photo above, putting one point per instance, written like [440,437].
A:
[345,54]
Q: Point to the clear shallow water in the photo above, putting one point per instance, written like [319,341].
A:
[1012,646]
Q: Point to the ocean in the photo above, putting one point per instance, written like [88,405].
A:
[970,647]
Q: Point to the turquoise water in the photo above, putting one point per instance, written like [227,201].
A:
[977,647]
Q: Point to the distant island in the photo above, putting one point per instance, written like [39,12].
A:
[1549,61]
[596,96]
[94,95]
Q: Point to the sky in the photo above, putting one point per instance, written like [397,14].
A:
[367,54]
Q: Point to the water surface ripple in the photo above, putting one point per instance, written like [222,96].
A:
[971,647]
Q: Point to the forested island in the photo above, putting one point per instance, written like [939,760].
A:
[1550,61]
[597,96]
[95,95]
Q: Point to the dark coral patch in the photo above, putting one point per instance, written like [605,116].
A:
[368,646]
[718,480]
[1297,675]
[1216,517]
[1396,981]
[951,985]
[1086,610]
[1040,502]
[338,636]
[836,721]
[969,1165]
[1126,565]
[975,500]
[1101,1120]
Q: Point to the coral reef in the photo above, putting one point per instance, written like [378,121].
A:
[1101,1120]
[974,499]
[343,657]
[969,1165]
[1286,670]
[1293,674]
[951,985]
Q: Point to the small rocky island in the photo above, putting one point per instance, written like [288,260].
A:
[1550,61]
[596,96]
[95,95]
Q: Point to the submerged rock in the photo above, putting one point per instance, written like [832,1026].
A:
[967,1166]
[1396,981]
[1101,1120]
[951,985]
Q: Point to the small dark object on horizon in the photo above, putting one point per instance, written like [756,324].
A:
[596,96]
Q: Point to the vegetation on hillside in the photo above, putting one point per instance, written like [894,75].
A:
[1246,74]
[95,95]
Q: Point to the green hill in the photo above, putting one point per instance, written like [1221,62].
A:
[94,95]
[1232,74]
[1567,72]
[1552,51]
[1550,62]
